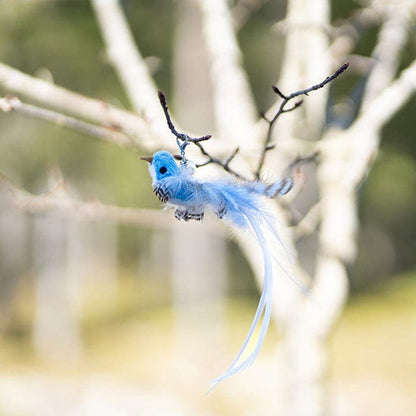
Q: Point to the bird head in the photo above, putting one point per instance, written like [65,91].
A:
[161,165]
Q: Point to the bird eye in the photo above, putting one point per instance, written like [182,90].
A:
[162,170]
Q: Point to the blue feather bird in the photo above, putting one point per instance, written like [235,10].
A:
[239,202]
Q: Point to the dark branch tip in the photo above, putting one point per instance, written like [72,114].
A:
[344,67]
[278,92]
[203,138]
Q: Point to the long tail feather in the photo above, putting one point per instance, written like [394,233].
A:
[265,304]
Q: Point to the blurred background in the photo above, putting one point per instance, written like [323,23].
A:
[92,318]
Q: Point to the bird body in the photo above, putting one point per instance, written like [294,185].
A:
[175,185]
[238,202]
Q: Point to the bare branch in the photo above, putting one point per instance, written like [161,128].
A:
[164,105]
[125,57]
[294,106]
[225,165]
[350,30]
[234,107]
[387,103]
[77,105]
[364,133]
[322,84]
[282,109]
[267,146]
[95,111]
[107,134]
[391,40]
[231,157]
[172,128]
[185,139]
[65,206]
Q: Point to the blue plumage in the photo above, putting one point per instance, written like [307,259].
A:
[238,202]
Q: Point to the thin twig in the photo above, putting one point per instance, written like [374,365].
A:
[184,138]
[322,84]
[225,165]
[282,109]
[179,136]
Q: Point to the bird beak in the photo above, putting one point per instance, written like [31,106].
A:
[147,158]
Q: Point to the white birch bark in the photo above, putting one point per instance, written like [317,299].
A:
[346,154]
[56,333]
[198,259]
[129,65]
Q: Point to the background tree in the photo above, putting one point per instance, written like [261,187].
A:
[211,93]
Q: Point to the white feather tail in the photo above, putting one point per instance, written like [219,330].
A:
[264,308]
